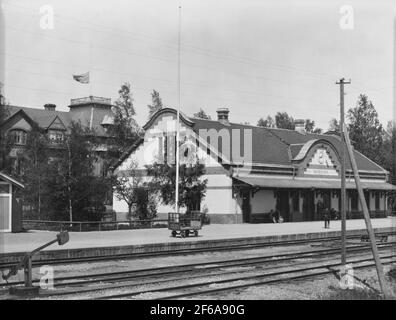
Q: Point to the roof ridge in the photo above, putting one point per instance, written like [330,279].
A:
[275,135]
[38,109]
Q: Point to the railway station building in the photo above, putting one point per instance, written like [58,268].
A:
[252,170]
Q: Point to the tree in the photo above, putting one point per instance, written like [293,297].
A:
[201,114]
[139,194]
[284,121]
[365,129]
[389,149]
[3,111]
[156,103]
[76,192]
[317,130]
[35,172]
[310,127]
[5,145]
[192,188]
[268,122]
[125,129]
[334,125]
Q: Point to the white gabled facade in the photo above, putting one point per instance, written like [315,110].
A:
[287,171]
[219,200]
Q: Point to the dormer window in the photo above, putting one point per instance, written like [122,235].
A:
[18,136]
[55,136]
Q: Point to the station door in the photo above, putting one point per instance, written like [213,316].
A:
[246,207]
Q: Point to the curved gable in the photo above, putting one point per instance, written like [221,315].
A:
[318,157]
[163,111]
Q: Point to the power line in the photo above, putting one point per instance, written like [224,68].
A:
[189,84]
[202,51]
[174,46]
[68,93]
[171,83]
[163,91]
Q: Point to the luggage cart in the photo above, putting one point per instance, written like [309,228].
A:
[184,224]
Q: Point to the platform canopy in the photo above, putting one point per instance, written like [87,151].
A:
[299,183]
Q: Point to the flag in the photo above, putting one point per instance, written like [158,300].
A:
[83,78]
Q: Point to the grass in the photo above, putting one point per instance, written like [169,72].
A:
[392,274]
[352,294]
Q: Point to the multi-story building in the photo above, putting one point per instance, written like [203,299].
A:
[92,112]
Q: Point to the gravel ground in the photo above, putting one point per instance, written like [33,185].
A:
[319,288]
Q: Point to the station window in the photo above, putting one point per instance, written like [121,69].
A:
[354,201]
[367,197]
[166,149]
[296,201]
[170,148]
[377,201]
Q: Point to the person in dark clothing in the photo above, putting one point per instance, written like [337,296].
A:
[326,217]
[277,215]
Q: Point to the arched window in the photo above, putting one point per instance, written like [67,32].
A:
[18,136]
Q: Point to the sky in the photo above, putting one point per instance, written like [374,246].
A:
[254,57]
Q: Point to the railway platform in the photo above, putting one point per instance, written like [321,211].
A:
[142,241]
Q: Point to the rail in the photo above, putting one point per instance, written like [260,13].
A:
[80,226]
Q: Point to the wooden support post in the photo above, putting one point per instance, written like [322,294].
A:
[380,271]
[28,272]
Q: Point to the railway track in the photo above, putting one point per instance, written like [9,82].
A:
[234,283]
[6,265]
[291,275]
[83,284]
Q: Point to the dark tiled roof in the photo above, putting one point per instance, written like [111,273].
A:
[44,118]
[292,137]
[266,147]
[280,146]
[269,145]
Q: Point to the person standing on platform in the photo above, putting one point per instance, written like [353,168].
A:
[326,217]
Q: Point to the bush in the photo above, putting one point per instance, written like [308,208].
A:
[205,219]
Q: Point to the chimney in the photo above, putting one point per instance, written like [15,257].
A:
[50,107]
[299,125]
[222,115]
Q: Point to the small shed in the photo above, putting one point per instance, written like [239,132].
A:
[10,206]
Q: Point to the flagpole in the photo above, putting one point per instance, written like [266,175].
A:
[90,69]
[178,119]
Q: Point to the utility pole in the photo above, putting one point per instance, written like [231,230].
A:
[386,290]
[343,190]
